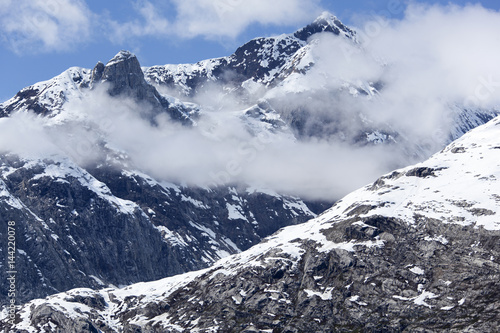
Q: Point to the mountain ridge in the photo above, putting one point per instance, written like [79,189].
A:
[260,59]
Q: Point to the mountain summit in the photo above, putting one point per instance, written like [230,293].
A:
[262,59]
[326,22]
[124,76]
[123,72]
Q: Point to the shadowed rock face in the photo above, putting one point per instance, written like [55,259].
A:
[324,23]
[105,225]
[124,76]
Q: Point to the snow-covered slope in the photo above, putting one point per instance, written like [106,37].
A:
[416,250]
[48,97]
[260,60]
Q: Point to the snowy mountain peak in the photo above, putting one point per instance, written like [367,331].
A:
[123,55]
[327,16]
[48,97]
[266,60]
[326,22]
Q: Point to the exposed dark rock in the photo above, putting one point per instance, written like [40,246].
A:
[93,302]
[247,60]
[326,23]
[124,76]
[481,211]
[97,73]
[407,285]
[110,226]
[423,172]
[359,210]
[457,150]
[26,98]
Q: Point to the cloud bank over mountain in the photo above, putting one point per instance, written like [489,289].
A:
[427,67]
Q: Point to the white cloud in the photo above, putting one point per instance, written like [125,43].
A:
[436,58]
[44,25]
[169,151]
[210,18]
[59,25]
[442,50]
[24,134]
[228,18]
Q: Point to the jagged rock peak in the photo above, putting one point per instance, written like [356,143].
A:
[124,72]
[326,22]
[97,73]
[124,76]
[121,56]
[124,62]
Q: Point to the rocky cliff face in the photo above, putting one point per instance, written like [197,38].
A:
[124,76]
[415,251]
[108,226]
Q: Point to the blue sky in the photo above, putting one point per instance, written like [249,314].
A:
[39,39]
